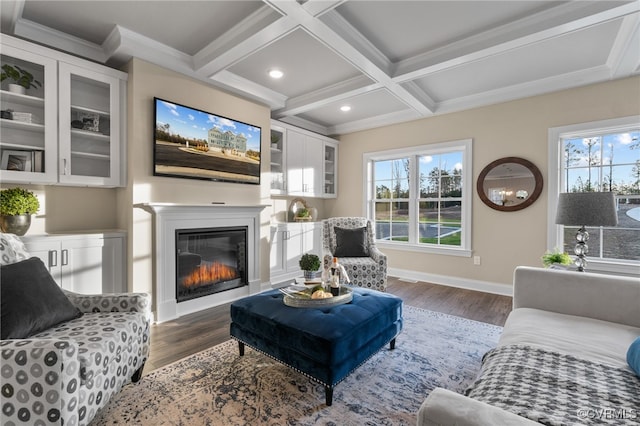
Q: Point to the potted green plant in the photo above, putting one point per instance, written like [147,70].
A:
[309,263]
[556,257]
[22,78]
[16,207]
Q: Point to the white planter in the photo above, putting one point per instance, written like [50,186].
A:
[16,88]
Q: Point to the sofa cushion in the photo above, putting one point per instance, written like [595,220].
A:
[591,339]
[633,356]
[31,300]
[101,337]
[12,249]
[351,242]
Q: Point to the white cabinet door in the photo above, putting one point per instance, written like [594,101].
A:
[87,264]
[276,254]
[330,186]
[295,155]
[312,173]
[81,265]
[48,250]
[28,140]
[290,241]
[89,126]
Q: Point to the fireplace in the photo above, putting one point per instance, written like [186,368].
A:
[209,261]
[171,219]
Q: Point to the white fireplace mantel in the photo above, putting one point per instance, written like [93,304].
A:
[171,217]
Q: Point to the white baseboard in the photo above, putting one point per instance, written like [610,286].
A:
[468,284]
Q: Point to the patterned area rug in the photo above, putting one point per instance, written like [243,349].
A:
[218,387]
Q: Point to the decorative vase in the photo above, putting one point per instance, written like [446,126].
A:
[309,275]
[16,88]
[17,224]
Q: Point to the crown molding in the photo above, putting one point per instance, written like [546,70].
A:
[58,40]
[624,58]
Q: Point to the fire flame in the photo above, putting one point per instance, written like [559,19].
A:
[209,274]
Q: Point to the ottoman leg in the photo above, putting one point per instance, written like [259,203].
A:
[241,348]
[392,344]
[328,395]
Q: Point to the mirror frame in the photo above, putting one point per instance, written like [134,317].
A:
[526,203]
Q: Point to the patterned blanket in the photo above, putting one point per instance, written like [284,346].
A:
[557,389]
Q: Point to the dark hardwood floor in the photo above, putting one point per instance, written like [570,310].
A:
[173,340]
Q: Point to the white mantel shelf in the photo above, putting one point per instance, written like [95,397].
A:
[168,218]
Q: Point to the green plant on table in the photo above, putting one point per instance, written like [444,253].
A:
[303,212]
[553,257]
[309,262]
[17,201]
[20,76]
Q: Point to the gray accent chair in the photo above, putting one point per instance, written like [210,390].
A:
[369,272]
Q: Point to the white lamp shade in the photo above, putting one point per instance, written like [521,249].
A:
[587,209]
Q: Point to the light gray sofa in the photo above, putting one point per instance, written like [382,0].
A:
[589,316]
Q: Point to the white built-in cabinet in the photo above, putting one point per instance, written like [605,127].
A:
[71,129]
[84,263]
[289,241]
[302,163]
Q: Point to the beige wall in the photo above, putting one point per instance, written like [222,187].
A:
[146,81]
[503,240]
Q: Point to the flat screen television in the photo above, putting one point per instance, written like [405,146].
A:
[194,144]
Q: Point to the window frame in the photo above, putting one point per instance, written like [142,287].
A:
[368,190]
[555,236]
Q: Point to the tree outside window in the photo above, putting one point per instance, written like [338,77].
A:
[606,162]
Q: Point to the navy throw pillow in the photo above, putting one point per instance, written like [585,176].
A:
[633,356]
[351,242]
[31,301]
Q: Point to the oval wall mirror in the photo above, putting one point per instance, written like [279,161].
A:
[509,184]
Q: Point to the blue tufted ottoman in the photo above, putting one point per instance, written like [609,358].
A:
[325,344]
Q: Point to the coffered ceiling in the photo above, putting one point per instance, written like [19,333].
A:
[390,61]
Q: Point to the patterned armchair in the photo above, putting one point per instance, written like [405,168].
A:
[64,374]
[369,272]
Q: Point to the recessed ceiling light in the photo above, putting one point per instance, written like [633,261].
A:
[345,108]
[275,73]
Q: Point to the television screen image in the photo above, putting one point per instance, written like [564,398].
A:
[195,144]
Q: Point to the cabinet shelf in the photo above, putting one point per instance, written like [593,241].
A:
[21,99]
[19,125]
[85,109]
[5,145]
[81,154]
[90,135]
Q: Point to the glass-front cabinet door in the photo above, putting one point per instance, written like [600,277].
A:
[277,150]
[89,127]
[28,102]
[330,170]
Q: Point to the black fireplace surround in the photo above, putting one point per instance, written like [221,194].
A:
[210,260]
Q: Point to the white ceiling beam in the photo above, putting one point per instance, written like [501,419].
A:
[236,35]
[319,7]
[373,122]
[334,93]
[624,58]
[523,90]
[59,40]
[324,34]
[10,12]
[236,83]
[450,58]
[243,49]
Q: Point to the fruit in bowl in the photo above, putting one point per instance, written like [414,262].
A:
[321,294]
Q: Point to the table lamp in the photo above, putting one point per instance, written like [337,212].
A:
[586,209]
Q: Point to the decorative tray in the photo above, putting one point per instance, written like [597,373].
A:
[302,298]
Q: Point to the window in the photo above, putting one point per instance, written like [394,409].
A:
[419,197]
[600,156]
